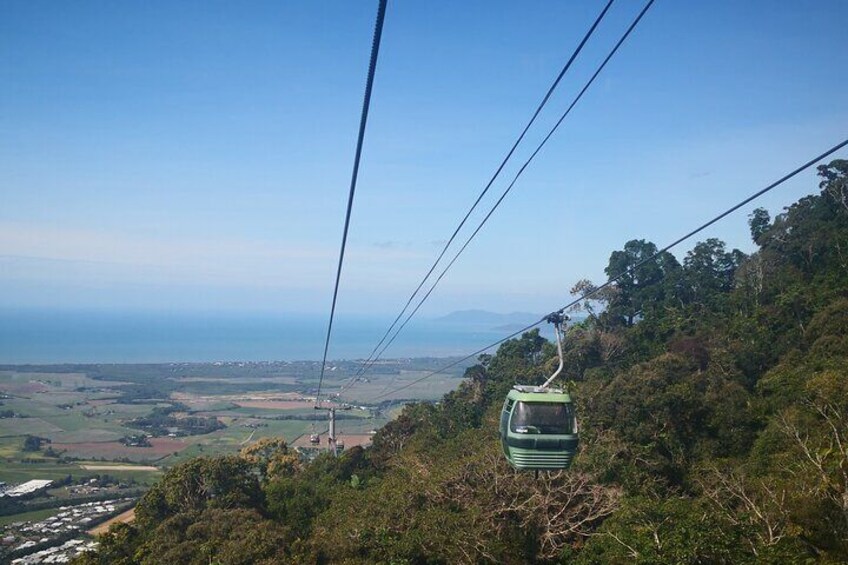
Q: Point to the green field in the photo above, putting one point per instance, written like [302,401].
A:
[95,406]
[433,388]
[16,472]
[234,438]
[22,426]
[34,516]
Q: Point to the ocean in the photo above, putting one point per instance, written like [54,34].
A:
[41,336]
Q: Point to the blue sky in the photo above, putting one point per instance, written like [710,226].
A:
[196,155]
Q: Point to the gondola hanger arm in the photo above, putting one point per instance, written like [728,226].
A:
[557,319]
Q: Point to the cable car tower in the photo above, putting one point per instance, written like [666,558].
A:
[538,427]
[332,443]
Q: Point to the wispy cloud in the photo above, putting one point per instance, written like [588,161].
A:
[110,247]
[30,252]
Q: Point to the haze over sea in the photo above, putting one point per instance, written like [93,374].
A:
[50,336]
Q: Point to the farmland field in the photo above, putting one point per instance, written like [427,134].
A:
[119,468]
[114,451]
[126,419]
[108,432]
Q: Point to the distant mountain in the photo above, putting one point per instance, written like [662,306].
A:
[484,318]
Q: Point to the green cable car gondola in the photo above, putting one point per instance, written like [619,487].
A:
[538,427]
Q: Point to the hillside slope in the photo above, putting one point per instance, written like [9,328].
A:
[713,398]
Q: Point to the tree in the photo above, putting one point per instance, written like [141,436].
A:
[235,536]
[757,506]
[197,484]
[592,299]
[32,443]
[674,530]
[834,183]
[819,430]
[759,222]
[115,547]
[462,502]
[271,457]
[639,279]
[710,270]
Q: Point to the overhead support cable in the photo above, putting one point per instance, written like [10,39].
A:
[366,103]
[515,179]
[369,361]
[630,269]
